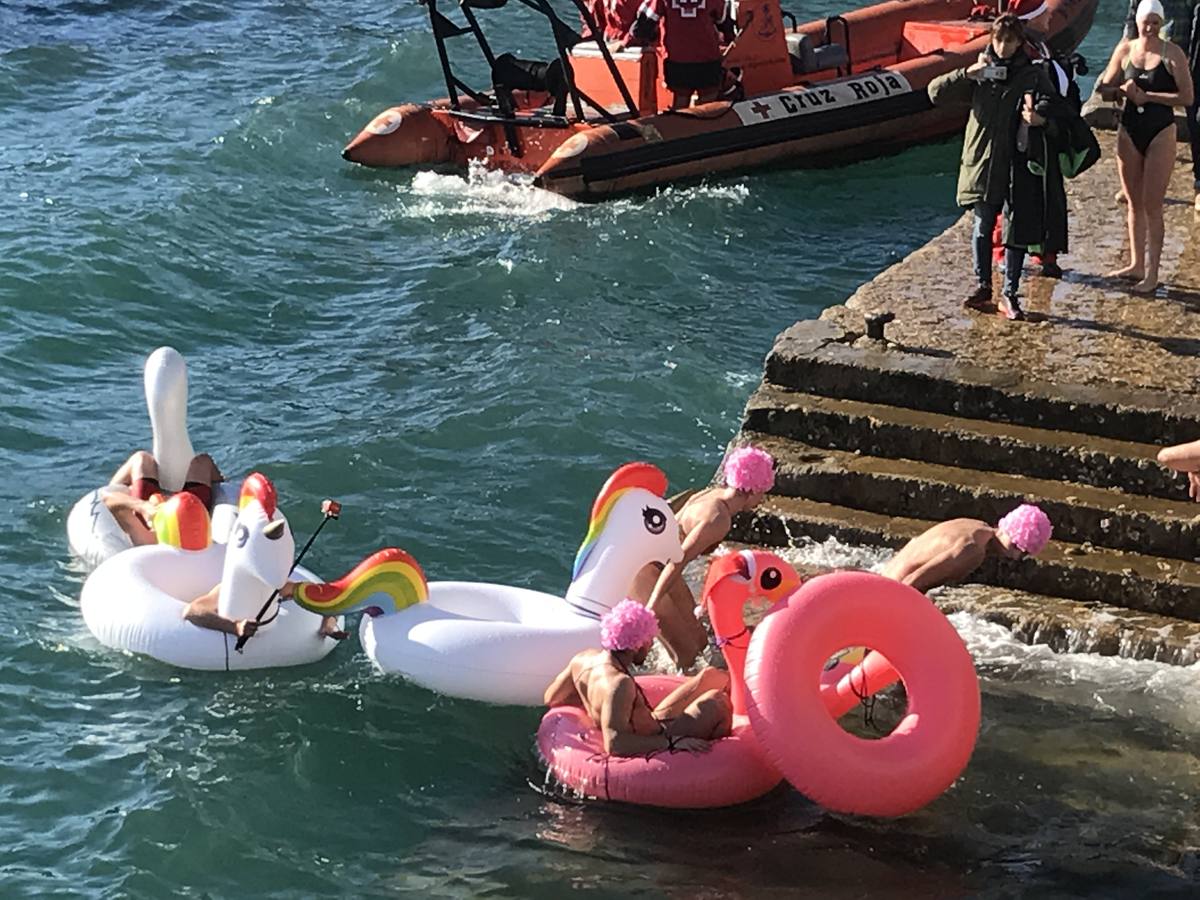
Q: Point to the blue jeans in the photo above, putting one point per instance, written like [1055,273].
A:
[981,246]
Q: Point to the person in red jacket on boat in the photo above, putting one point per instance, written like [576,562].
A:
[691,42]
[615,18]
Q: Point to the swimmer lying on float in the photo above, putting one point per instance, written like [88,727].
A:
[620,738]
[144,600]
[616,736]
[602,683]
[119,515]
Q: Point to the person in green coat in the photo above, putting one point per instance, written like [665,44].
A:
[1005,89]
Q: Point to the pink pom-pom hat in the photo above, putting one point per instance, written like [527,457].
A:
[1028,528]
[750,469]
[627,626]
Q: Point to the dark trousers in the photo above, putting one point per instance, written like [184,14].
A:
[981,247]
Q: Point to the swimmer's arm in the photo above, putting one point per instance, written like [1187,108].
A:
[562,690]
[953,564]
[1181,457]
[1108,83]
[202,612]
[702,536]
[614,725]
[116,501]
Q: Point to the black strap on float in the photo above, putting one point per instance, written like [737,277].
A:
[867,701]
[330,509]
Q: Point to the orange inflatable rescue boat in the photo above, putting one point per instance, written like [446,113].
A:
[589,123]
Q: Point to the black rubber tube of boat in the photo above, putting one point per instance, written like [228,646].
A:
[330,509]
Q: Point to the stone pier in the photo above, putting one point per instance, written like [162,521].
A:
[957,413]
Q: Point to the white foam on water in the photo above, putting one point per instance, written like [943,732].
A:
[1110,685]
[482,192]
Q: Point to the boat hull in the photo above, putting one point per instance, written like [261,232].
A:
[881,108]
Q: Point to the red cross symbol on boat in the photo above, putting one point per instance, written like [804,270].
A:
[763,109]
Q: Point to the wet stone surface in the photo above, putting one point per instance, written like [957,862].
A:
[957,413]
[1085,329]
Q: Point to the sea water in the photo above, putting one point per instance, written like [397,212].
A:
[461,360]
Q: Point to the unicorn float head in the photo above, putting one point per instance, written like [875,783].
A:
[630,527]
[733,581]
[165,381]
[258,557]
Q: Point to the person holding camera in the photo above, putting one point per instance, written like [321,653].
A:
[1036,16]
[1008,95]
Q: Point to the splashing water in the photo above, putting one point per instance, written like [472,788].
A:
[483,192]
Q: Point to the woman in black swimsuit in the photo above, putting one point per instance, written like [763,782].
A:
[1152,76]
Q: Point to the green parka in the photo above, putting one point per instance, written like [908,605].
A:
[985,171]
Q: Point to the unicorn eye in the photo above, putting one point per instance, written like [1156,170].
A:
[654,520]
[771,579]
[241,535]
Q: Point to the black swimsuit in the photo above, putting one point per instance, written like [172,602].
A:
[1143,123]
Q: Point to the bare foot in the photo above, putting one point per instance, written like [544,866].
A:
[1145,286]
[329,629]
[1120,196]
[1131,273]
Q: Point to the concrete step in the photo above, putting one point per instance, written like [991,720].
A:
[901,433]
[1080,513]
[1067,626]
[1073,571]
[819,357]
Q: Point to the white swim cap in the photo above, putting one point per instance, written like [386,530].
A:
[1149,8]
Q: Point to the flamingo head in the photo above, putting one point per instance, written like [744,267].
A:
[748,576]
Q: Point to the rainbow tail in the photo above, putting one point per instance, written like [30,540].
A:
[390,577]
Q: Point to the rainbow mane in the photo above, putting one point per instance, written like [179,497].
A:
[631,475]
[257,486]
[390,572]
[182,521]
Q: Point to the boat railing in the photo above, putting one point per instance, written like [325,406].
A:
[497,106]
[840,20]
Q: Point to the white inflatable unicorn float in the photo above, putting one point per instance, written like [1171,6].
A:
[135,600]
[503,644]
[92,532]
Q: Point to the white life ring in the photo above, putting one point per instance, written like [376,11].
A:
[135,601]
[503,644]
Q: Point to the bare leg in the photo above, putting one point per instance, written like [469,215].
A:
[692,636]
[1130,165]
[678,635]
[140,465]
[677,702]
[1160,160]
[329,629]
[203,470]
[709,717]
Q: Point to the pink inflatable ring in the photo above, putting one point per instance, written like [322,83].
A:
[794,714]
[733,771]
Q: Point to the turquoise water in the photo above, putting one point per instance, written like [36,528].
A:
[460,362]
